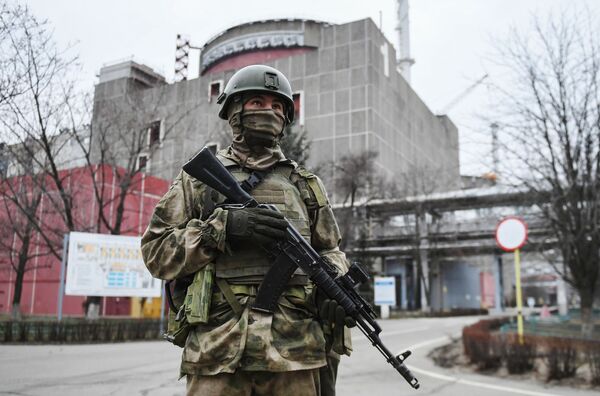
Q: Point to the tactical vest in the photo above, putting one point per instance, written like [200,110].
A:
[248,263]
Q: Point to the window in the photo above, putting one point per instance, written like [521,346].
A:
[298,98]
[154,135]
[213,147]
[215,88]
[142,161]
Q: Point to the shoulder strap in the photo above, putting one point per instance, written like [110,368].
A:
[254,179]
[311,192]
[210,195]
[314,186]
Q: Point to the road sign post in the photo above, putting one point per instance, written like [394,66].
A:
[511,235]
[61,286]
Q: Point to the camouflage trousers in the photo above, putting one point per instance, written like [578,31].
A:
[328,375]
[256,383]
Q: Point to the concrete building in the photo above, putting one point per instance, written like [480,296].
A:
[348,92]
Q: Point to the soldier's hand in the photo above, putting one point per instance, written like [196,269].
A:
[263,226]
[333,315]
[333,318]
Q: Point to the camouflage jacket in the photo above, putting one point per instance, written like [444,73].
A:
[178,243]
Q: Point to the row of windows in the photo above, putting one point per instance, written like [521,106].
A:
[155,136]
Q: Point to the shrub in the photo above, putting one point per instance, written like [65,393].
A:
[519,358]
[480,346]
[78,330]
[592,356]
[560,357]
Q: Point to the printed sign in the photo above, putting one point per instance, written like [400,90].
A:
[108,265]
[252,42]
[385,290]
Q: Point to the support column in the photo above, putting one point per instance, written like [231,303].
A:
[424,259]
[435,283]
[561,296]
[499,292]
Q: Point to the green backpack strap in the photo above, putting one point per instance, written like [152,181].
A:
[316,188]
[311,190]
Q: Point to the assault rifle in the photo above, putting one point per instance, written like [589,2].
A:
[295,252]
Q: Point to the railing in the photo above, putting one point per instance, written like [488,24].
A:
[448,227]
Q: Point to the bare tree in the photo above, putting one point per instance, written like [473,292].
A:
[21,201]
[11,78]
[46,129]
[31,120]
[419,182]
[124,136]
[356,176]
[549,116]
[295,144]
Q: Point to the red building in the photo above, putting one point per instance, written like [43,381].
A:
[41,283]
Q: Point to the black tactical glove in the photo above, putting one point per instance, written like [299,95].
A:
[263,226]
[333,315]
[333,318]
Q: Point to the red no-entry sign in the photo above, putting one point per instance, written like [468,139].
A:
[511,233]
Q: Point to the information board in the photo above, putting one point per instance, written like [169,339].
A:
[385,290]
[108,265]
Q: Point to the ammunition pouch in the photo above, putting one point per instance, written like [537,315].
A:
[196,306]
[194,299]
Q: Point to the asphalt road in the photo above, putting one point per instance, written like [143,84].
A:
[150,368]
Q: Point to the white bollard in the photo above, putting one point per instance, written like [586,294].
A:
[385,311]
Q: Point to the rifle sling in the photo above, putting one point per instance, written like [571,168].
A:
[254,179]
[229,295]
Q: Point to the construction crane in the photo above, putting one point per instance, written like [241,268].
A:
[464,94]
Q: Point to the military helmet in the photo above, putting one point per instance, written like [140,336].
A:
[258,78]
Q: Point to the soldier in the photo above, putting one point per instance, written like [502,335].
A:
[239,351]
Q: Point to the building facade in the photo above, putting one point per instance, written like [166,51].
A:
[40,288]
[349,98]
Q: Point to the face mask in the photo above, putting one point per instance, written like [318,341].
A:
[262,127]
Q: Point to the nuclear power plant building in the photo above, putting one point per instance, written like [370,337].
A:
[349,96]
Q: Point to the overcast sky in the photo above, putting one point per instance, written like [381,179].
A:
[451,40]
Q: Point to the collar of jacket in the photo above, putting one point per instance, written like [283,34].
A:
[228,159]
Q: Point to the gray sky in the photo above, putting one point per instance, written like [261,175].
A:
[451,40]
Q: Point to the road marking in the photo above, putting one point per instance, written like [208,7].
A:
[428,342]
[457,380]
[479,384]
[358,340]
